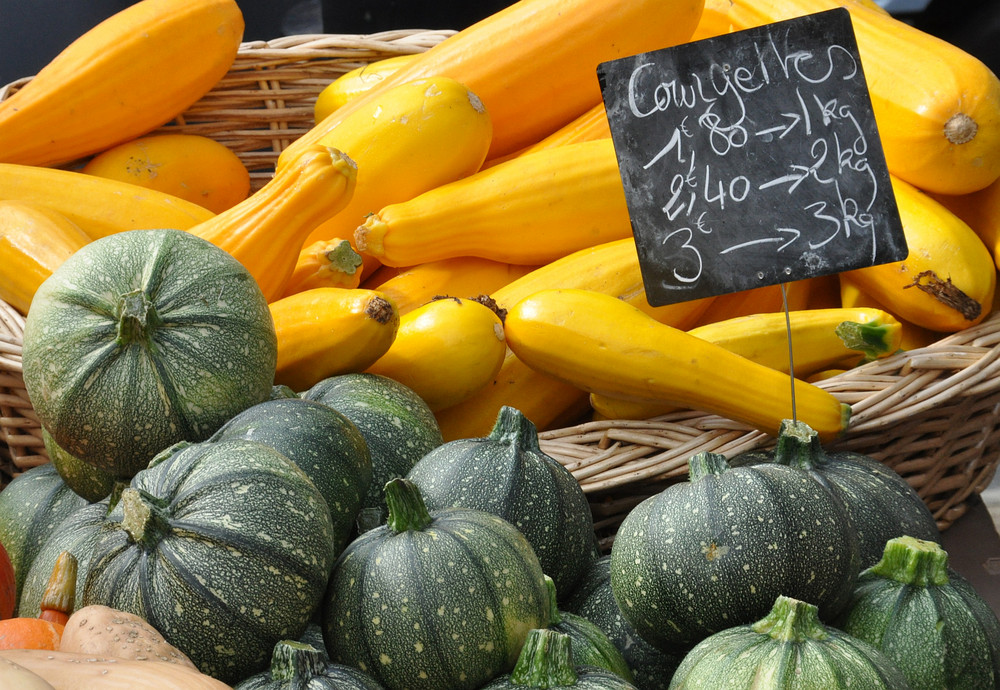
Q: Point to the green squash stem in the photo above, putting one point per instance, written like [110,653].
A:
[292,660]
[870,339]
[514,429]
[798,446]
[791,620]
[706,463]
[913,561]
[546,661]
[143,517]
[555,617]
[407,510]
[136,318]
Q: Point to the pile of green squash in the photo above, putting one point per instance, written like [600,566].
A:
[331,537]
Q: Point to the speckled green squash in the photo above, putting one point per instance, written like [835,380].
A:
[300,666]
[593,600]
[92,483]
[715,551]
[547,661]
[434,601]
[224,547]
[324,443]
[881,504]
[396,423]
[789,648]
[506,473]
[927,618]
[145,338]
[31,508]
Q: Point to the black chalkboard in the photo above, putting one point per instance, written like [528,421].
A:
[751,159]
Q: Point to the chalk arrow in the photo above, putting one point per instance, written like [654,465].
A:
[791,233]
[784,129]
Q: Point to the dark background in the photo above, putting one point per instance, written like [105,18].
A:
[32,32]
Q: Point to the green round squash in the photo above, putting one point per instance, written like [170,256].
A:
[927,618]
[299,666]
[506,473]
[788,648]
[224,547]
[92,483]
[142,339]
[594,600]
[396,423]
[547,661]
[433,601]
[715,551]
[324,443]
[31,508]
[881,504]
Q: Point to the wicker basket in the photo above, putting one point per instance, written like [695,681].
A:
[931,414]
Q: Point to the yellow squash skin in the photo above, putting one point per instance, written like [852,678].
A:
[354,83]
[188,166]
[759,300]
[602,345]
[326,263]
[34,241]
[265,231]
[324,332]
[531,209]
[947,281]
[912,337]
[937,107]
[532,63]
[445,350]
[128,75]
[981,210]
[409,139]
[99,206]
[593,124]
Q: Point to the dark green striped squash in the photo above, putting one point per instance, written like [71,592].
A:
[927,618]
[31,508]
[433,601]
[297,665]
[547,661]
[142,339]
[92,483]
[788,648]
[324,443]
[395,422]
[224,547]
[881,504]
[506,473]
[715,551]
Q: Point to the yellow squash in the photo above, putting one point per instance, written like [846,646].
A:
[912,336]
[981,210]
[265,231]
[34,241]
[946,282]
[531,209]
[354,82]
[324,332]
[131,73]
[603,345]
[99,206]
[759,300]
[445,350]
[326,263]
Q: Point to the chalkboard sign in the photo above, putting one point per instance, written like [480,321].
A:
[751,159]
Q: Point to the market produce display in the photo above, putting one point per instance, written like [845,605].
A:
[292,419]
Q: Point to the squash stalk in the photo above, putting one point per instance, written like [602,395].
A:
[295,662]
[144,518]
[791,620]
[799,446]
[59,597]
[407,510]
[912,561]
[706,463]
[136,318]
[546,661]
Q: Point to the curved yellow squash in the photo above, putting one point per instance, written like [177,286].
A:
[326,263]
[355,82]
[602,345]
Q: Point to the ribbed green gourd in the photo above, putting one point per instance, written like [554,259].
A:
[927,618]
[324,443]
[547,661]
[92,483]
[433,601]
[142,339]
[880,502]
[788,649]
[714,551]
[224,547]
[298,666]
[506,473]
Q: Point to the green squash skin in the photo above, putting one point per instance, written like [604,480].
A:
[789,648]
[940,632]
[881,504]
[31,508]
[114,393]
[324,443]
[301,666]
[76,534]
[441,604]
[92,483]
[507,474]
[594,600]
[224,547]
[396,423]
[713,552]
